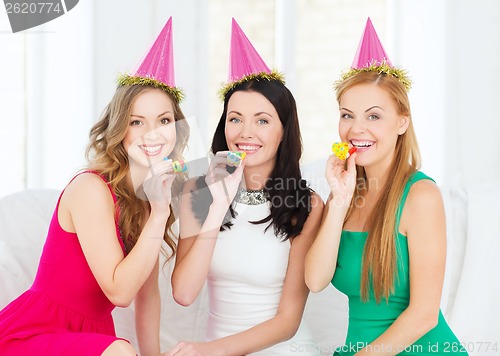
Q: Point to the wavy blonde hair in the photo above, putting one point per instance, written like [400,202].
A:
[379,270]
[107,155]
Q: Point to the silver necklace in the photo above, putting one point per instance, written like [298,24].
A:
[251,197]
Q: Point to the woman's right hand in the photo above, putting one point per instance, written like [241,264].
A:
[222,184]
[184,348]
[158,186]
[342,181]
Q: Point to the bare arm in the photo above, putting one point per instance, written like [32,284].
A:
[147,315]
[321,259]
[196,243]
[194,249]
[89,210]
[423,222]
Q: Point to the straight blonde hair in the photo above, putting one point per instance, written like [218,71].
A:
[106,154]
[379,268]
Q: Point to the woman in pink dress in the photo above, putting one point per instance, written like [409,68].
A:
[107,231]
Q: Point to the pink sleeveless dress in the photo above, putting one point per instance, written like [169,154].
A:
[65,312]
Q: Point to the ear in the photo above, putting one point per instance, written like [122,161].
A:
[404,121]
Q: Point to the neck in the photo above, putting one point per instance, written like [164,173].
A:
[376,174]
[376,177]
[256,177]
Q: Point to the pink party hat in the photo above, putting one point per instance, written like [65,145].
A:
[244,59]
[157,67]
[245,63]
[370,49]
[371,57]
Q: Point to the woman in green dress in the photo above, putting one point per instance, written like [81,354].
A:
[383,237]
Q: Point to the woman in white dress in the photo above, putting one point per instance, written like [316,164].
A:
[249,244]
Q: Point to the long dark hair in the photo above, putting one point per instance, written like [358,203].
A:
[288,193]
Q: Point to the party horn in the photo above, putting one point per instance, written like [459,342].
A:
[234,158]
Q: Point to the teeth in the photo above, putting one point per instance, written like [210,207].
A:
[248,148]
[151,149]
[361,143]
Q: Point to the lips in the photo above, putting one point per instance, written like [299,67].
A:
[151,150]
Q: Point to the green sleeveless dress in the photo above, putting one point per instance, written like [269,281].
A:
[368,320]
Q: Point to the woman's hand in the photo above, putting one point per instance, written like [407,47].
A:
[158,186]
[184,348]
[223,185]
[342,181]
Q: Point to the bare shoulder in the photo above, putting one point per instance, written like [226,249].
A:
[317,204]
[190,185]
[424,207]
[189,224]
[86,196]
[87,187]
[424,194]
[314,219]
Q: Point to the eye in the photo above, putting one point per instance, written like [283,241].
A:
[234,120]
[373,117]
[166,121]
[262,121]
[135,123]
[345,116]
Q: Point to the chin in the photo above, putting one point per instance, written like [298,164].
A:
[144,162]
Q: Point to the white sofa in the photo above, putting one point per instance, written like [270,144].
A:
[470,296]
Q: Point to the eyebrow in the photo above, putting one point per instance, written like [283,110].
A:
[373,107]
[142,117]
[256,114]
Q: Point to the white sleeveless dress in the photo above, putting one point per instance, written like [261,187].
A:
[246,278]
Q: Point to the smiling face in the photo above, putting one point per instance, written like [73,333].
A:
[151,132]
[370,121]
[253,126]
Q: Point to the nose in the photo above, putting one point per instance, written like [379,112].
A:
[358,126]
[246,130]
[152,134]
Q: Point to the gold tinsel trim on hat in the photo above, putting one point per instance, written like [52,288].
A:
[274,75]
[384,68]
[126,79]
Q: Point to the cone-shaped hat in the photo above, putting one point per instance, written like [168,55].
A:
[157,67]
[371,57]
[370,49]
[244,59]
[245,63]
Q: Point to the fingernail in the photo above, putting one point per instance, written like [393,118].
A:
[165,158]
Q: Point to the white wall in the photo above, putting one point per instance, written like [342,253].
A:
[58,77]
[452,48]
